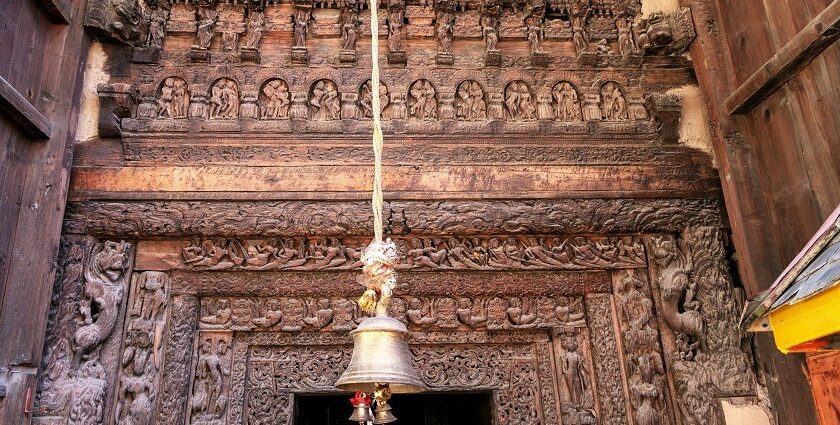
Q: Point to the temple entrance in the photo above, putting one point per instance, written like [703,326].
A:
[411,409]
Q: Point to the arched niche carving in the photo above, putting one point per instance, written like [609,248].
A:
[173,98]
[274,99]
[366,101]
[613,102]
[566,102]
[422,100]
[224,99]
[519,101]
[470,101]
[324,100]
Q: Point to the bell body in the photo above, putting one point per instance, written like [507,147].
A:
[361,413]
[381,356]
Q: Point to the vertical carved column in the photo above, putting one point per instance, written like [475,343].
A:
[646,379]
[177,360]
[142,353]
[82,351]
[700,308]
[606,357]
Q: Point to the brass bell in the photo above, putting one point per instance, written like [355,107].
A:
[383,414]
[361,413]
[380,356]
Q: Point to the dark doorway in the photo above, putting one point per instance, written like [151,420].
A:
[413,409]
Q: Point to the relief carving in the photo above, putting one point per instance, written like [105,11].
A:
[81,350]
[275,100]
[224,99]
[613,103]
[445,31]
[566,103]
[211,385]
[606,357]
[422,101]
[396,16]
[366,102]
[518,101]
[325,101]
[576,381]
[142,352]
[173,99]
[350,25]
[469,102]
[419,313]
[494,253]
[491,11]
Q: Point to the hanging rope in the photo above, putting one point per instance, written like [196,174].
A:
[377,126]
[379,258]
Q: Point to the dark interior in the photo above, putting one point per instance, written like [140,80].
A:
[410,409]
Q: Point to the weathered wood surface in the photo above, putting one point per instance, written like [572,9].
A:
[19,110]
[825,373]
[798,53]
[42,61]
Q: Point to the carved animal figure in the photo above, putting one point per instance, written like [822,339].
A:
[103,295]
[689,321]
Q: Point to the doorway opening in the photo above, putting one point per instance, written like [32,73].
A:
[474,408]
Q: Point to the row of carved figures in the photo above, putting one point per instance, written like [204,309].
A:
[324,102]
[343,314]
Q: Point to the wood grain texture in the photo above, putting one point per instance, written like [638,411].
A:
[19,110]
[809,43]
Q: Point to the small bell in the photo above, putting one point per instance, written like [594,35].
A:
[383,414]
[361,408]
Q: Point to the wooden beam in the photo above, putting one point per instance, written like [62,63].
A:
[820,33]
[56,11]
[19,110]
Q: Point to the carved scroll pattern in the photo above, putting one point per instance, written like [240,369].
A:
[494,253]
[599,312]
[512,371]
[427,313]
[700,309]
[81,355]
[142,351]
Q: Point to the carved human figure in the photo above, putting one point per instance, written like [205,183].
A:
[230,40]
[320,314]
[366,100]
[396,13]
[645,391]
[157,27]
[348,37]
[419,313]
[325,100]
[275,100]
[535,39]
[211,371]
[255,28]
[445,30]
[224,99]
[518,314]
[269,314]
[491,38]
[603,48]
[422,102]
[165,98]
[613,104]
[574,369]
[567,105]
[626,45]
[301,19]
[470,312]
[219,312]
[518,101]
[469,102]
[580,38]
[206,22]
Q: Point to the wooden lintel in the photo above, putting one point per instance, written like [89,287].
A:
[820,33]
[19,110]
[57,11]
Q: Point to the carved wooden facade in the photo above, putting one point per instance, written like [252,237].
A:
[563,252]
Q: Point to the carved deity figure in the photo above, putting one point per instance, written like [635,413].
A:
[445,31]
[396,14]
[603,48]
[519,102]
[574,369]
[626,45]
[270,313]
[567,106]
[348,36]
[470,313]
[491,11]
[613,104]
[325,101]
[469,102]
[157,28]
[301,19]
[366,101]
[255,28]
[422,102]
[320,315]
[224,99]
[535,36]
[209,398]
[580,38]
[275,100]
[206,22]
